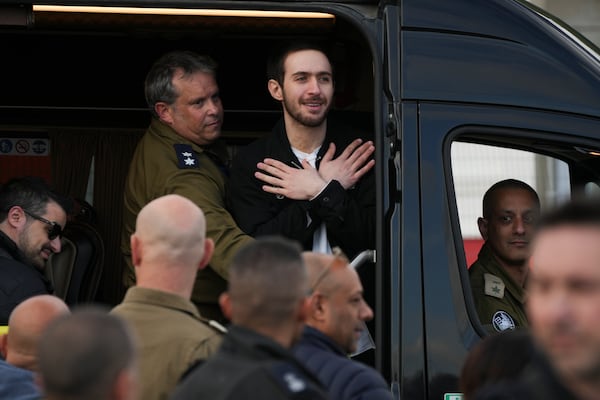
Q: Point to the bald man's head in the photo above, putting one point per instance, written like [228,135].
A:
[319,267]
[170,234]
[337,306]
[171,228]
[26,325]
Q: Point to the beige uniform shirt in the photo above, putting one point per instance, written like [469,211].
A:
[171,336]
[165,163]
[499,300]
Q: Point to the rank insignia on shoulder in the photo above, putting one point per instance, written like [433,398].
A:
[494,286]
[186,158]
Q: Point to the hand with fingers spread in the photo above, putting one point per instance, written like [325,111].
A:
[311,203]
[294,183]
[349,166]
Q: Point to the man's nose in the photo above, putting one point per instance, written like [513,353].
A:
[213,106]
[558,307]
[366,312]
[56,244]
[314,86]
[519,225]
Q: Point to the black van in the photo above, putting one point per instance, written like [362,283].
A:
[456,93]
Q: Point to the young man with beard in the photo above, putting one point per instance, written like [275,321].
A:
[32,217]
[510,212]
[309,180]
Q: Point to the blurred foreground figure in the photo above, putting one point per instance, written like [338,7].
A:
[19,346]
[563,307]
[496,358]
[88,355]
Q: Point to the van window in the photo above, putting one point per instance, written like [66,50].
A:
[476,167]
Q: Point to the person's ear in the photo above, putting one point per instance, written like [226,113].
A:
[136,250]
[482,223]
[318,307]
[304,309]
[225,303]
[275,89]
[125,386]
[16,217]
[38,380]
[209,248]
[4,345]
[164,112]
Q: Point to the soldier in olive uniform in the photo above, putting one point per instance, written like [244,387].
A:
[168,247]
[511,209]
[181,154]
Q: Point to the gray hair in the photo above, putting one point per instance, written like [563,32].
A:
[159,80]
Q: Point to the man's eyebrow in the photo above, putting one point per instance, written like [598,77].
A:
[320,73]
[203,98]
[513,212]
[507,211]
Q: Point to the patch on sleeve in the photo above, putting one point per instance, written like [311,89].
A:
[494,286]
[186,158]
[288,378]
[502,321]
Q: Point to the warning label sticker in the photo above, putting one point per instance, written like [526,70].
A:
[24,147]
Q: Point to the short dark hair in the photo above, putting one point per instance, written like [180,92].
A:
[275,69]
[579,211]
[82,354]
[267,278]
[158,85]
[488,197]
[31,193]
[498,357]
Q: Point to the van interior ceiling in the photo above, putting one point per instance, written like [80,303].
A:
[87,68]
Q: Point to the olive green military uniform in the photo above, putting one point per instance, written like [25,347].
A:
[499,300]
[171,337]
[165,163]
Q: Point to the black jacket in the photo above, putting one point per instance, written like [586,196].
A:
[349,215]
[249,366]
[538,381]
[345,379]
[18,279]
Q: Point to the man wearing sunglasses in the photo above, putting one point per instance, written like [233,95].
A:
[32,217]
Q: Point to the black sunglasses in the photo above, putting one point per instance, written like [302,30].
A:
[55,229]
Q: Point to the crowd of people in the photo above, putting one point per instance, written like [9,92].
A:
[238,272]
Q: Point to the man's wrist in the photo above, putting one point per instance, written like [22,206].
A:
[320,191]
